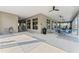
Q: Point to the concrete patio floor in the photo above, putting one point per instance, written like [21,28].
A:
[24,43]
[34,42]
[65,43]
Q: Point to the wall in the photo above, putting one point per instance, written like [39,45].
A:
[30,18]
[41,22]
[8,20]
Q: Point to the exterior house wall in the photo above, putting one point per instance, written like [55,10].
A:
[30,18]
[42,22]
[6,21]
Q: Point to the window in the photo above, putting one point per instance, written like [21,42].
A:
[28,24]
[35,23]
[75,26]
[48,24]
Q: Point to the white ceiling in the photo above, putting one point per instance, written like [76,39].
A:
[26,11]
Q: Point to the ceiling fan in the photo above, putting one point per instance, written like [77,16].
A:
[54,9]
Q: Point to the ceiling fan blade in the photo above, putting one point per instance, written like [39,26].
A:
[50,10]
[56,9]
